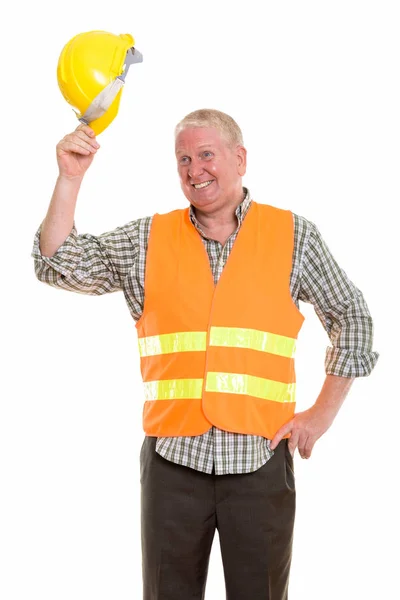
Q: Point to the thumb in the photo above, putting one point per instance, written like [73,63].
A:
[284,430]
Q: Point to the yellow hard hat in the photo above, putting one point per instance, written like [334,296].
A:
[91,73]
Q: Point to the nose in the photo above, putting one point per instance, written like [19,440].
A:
[195,169]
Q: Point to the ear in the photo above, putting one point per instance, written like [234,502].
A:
[241,156]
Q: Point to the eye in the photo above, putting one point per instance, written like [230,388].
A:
[184,160]
[207,154]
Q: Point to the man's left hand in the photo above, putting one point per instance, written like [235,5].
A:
[305,428]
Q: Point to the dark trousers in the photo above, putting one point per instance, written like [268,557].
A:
[180,510]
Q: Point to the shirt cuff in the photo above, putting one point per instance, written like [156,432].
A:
[66,258]
[348,363]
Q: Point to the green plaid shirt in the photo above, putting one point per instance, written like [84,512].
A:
[116,260]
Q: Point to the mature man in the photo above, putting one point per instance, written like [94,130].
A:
[215,291]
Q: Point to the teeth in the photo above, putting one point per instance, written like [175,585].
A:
[198,186]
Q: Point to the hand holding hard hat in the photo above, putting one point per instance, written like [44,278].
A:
[75,152]
[91,73]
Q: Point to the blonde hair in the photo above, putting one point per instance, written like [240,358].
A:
[209,117]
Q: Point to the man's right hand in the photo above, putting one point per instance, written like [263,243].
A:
[75,152]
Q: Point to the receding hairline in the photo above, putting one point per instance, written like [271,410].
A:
[214,119]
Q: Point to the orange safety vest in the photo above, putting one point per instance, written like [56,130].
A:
[219,354]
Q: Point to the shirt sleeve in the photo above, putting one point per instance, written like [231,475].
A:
[341,308]
[89,264]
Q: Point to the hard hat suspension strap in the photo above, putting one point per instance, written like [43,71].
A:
[106,97]
[102,102]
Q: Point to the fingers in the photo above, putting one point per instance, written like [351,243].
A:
[306,446]
[81,141]
[89,139]
[86,129]
[302,442]
[284,430]
[303,434]
[293,442]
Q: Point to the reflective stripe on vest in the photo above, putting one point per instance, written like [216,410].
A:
[248,385]
[173,389]
[229,337]
[185,341]
[252,339]
[224,383]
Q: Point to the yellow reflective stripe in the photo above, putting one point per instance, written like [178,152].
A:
[185,341]
[173,389]
[236,383]
[236,337]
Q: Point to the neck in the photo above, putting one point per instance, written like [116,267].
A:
[222,218]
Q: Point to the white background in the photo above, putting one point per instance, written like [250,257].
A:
[315,88]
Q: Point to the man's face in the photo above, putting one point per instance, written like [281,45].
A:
[210,169]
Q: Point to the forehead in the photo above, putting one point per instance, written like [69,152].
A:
[195,137]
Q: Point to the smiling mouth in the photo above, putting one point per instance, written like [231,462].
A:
[200,186]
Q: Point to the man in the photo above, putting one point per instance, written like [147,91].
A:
[215,291]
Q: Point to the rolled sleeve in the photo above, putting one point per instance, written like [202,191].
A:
[63,262]
[342,362]
[341,308]
[86,263]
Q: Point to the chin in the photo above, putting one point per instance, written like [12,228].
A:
[200,200]
[203,202]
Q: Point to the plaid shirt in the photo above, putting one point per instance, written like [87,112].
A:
[116,260]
